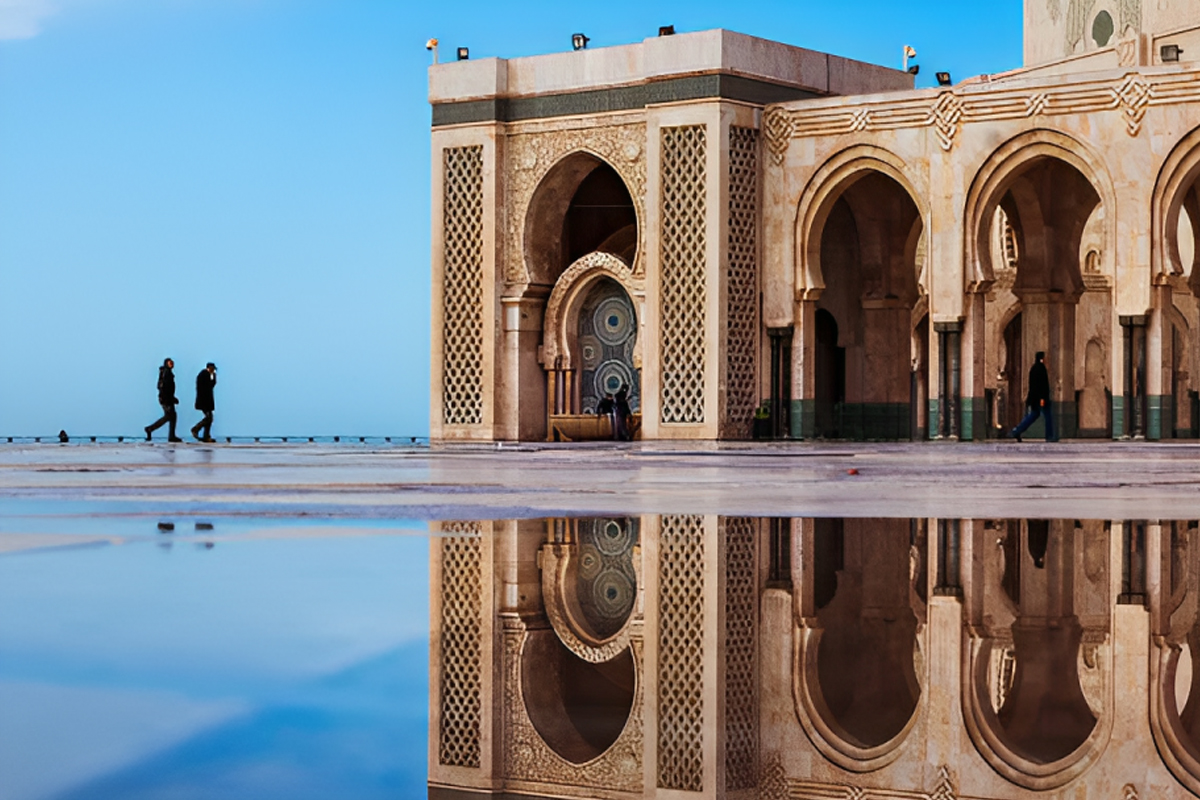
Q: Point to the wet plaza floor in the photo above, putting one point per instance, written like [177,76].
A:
[320,622]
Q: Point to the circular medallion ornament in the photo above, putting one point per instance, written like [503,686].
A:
[612,595]
[613,538]
[590,562]
[613,321]
[610,376]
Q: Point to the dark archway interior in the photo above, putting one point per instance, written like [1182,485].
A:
[868,262]
[1045,716]
[601,217]
[581,206]
[1048,204]
[865,657]
[577,707]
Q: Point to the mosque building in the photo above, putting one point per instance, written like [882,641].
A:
[758,239]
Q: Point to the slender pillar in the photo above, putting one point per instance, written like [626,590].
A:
[1133,329]
[804,358]
[950,383]
[781,381]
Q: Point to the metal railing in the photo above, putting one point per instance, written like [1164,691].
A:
[408,441]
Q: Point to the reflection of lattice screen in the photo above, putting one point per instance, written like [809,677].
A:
[461,645]
[462,286]
[682,262]
[681,653]
[741,654]
[741,311]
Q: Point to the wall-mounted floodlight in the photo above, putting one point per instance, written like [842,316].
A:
[579,41]
[1169,53]
[464,53]
[431,46]
[943,78]
[666,30]
[915,69]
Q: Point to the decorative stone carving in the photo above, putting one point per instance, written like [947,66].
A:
[772,781]
[554,334]
[555,559]
[681,653]
[530,156]
[944,789]
[1132,94]
[741,293]
[461,680]
[462,286]
[683,292]
[528,758]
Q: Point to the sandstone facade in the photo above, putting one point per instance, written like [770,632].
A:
[750,227]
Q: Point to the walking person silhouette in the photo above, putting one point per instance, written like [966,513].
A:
[166,399]
[206,381]
[1037,399]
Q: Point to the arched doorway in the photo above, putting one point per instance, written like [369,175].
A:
[1038,215]
[606,335]
[579,676]
[581,245]
[857,679]
[1176,279]
[867,250]
[1039,698]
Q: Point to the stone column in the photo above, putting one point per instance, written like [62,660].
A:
[974,346]
[781,381]
[804,365]
[521,393]
[1160,391]
[949,378]
[1129,421]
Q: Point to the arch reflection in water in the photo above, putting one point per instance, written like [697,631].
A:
[753,657]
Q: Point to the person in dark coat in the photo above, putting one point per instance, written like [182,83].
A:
[621,413]
[1037,400]
[206,381]
[168,401]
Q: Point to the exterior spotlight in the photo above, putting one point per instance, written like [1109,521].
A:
[943,79]
[666,30]
[909,52]
[431,46]
[1170,52]
[464,53]
[914,69]
[579,41]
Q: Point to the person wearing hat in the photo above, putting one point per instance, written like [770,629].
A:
[206,381]
[1037,399]
[166,399]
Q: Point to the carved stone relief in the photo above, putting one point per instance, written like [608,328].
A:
[1132,95]
[531,155]
[528,758]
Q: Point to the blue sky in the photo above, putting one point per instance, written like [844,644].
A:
[247,182]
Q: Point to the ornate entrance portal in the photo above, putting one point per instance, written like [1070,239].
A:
[607,333]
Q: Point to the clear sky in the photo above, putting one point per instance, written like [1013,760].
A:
[247,182]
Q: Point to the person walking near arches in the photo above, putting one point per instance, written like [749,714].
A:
[206,381]
[168,401]
[621,413]
[1037,400]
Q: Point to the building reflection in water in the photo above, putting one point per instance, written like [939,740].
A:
[672,656]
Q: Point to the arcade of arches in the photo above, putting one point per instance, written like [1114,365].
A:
[648,656]
[875,262]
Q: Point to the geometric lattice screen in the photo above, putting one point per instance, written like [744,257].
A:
[741,653]
[741,290]
[461,645]
[681,653]
[462,285]
[682,287]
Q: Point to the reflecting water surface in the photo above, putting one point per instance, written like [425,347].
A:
[641,656]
